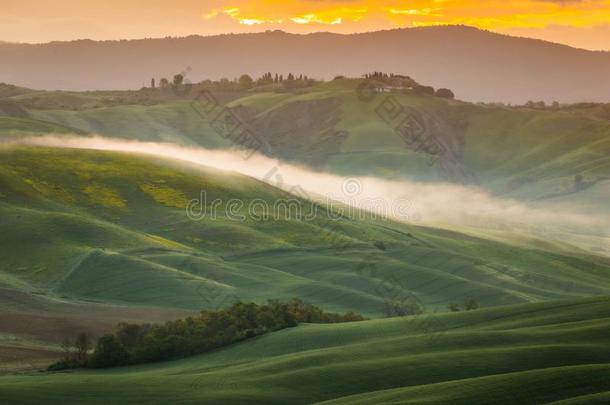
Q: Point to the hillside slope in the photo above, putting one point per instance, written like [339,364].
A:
[113,227]
[530,353]
[554,155]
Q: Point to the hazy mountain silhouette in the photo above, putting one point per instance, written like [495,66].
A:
[477,65]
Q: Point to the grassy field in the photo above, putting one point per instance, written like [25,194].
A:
[555,158]
[521,152]
[33,326]
[104,230]
[529,353]
[112,227]
[89,239]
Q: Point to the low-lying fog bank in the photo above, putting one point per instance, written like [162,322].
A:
[436,204]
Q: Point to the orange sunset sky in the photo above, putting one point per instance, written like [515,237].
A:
[579,23]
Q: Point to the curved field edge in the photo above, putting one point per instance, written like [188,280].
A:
[532,353]
[568,385]
[112,227]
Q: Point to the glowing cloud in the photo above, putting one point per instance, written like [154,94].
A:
[413,11]
[364,15]
[583,23]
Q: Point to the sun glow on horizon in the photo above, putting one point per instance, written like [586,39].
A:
[582,23]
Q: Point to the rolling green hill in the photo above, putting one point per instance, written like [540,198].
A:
[33,325]
[113,227]
[525,153]
[529,353]
[15,127]
[90,238]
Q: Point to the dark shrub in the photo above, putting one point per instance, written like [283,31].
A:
[445,93]
[394,309]
[471,305]
[64,364]
[427,90]
[109,353]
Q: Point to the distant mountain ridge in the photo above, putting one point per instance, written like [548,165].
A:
[477,65]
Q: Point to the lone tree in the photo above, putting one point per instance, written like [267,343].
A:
[245,81]
[471,305]
[82,345]
[380,245]
[178,79]
[445,93]
[152,83]
[164,83]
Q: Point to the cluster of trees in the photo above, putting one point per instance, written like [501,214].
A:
[406,82]
[390,78]
[164,83]
[76,353]
[394,309]
[411,307]
[268,78]
[542,104]
[535,104]
[555,105]
[468,305]
[278,81]
[145,343]
[244,82]
[429,90]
